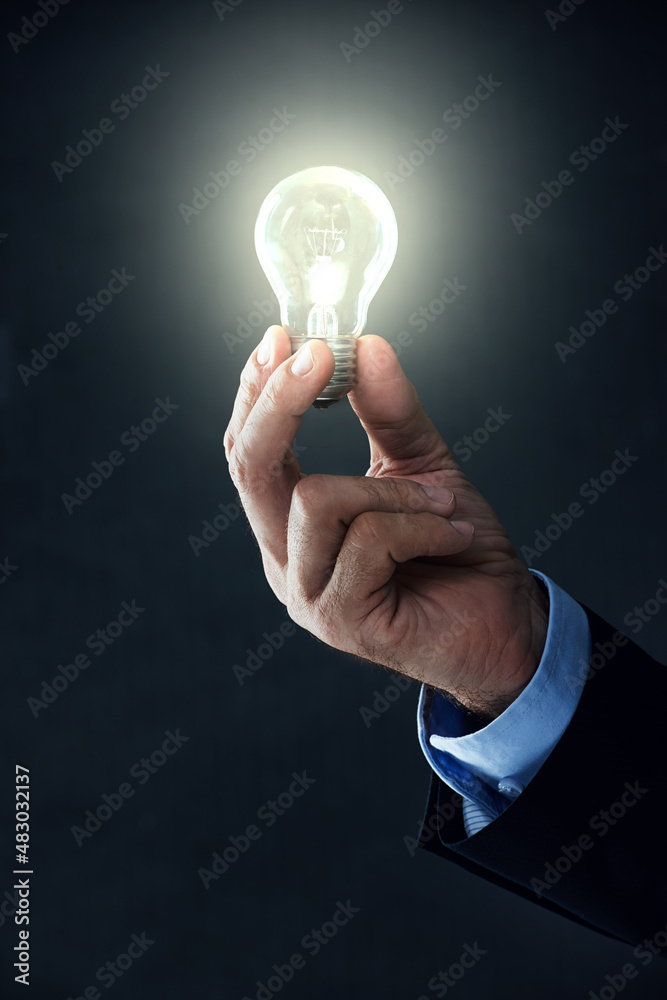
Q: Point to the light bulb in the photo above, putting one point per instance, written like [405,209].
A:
[326,237]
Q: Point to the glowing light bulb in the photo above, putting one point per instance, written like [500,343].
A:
[326,237]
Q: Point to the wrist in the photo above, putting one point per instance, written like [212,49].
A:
[521,655]
[526,665]
[539,617]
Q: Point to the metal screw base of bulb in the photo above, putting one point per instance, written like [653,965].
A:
[344,376]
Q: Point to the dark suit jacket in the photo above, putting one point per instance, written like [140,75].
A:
[596,811]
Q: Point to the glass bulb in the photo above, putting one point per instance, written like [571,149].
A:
[326,237]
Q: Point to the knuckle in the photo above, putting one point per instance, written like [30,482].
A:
[238,470]
[291,606]
[269,401]
[296,609]
[248,390]
[396,495]
[275,578]
[370,486]
[365,531]
[328,630]
[409,495]
[308,496]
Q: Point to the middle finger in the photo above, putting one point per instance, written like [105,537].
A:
[323,508]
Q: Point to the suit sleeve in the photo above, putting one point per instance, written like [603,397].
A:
[586,837]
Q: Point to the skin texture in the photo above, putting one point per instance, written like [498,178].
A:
[430,587]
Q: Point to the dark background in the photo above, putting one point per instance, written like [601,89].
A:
[163,336]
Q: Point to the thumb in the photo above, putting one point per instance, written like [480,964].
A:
[402,438]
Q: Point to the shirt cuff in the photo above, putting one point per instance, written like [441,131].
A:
[493,765]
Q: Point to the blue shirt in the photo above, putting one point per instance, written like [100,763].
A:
[491,766]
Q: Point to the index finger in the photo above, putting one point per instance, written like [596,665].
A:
[257,462]
[271,351]
[403,440]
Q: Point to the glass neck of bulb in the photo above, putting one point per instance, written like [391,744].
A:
[322,322]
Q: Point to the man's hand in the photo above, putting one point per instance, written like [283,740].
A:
[376,565]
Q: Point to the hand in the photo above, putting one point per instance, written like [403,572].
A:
[373,565]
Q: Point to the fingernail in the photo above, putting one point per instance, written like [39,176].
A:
[264,349]
[303,360]
[439,493]
[463,527]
